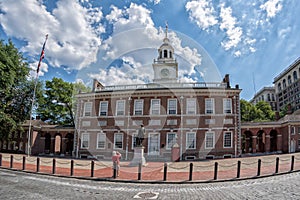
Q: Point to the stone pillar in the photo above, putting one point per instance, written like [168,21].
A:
[279,142]
[63,146]
[138,157]
[247,145]
[254,142]
[267,143]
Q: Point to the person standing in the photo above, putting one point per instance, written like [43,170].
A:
[116,162]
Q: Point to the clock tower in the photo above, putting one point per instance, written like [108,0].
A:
[165,66]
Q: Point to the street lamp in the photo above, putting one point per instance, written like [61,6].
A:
[127,135]
[181,123]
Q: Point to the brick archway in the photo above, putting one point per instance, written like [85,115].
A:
[247,142]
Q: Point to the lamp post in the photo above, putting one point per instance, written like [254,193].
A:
[181,123]
[127,135]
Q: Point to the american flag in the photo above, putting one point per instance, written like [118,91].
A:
[42,55]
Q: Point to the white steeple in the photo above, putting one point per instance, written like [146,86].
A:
[165,67]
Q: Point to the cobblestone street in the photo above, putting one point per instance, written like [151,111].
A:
[20,185]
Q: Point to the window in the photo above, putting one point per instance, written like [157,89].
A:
[134,136]
[295,76]
[191,140]
[154,122]
[102,123]
[284,83]
[171,140]
[227,140]
[85,139]
[209,106]
[191,106]
[165,53]
[87,109]
[289,80]
[120,107]
[101,139]
[209,140]
[279,87]
[227,106]
[118,141]
[138,107]
[155,106]
[298,129]
[103,108]
[292,130]
[172,106]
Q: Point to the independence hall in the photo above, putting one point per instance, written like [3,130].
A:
[201,119]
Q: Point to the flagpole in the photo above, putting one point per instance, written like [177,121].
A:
[33,98]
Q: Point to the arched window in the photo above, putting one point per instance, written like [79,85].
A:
[295,75]
[289,80]
[284,84]
[160,54]
[165,53]
[171,54]
[279,87]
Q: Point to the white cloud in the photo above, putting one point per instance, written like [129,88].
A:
[228,24]
[202,13]
[282,33]
[272,7]
[135,40]
[73,42]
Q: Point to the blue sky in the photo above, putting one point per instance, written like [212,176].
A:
[116,41]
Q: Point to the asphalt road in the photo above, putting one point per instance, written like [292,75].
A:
[21,185]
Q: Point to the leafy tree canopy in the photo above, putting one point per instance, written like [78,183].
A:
[262,111]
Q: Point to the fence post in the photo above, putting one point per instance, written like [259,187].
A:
[216,171]
[37,164]
[24,163]
[114,169]
[72,168]
[0,159]
[140,171]
[92,168]
[11,161]
[191,172]
[258,167]
[277,165]
[165,171]
[292,163]
[53,166]
[238,173]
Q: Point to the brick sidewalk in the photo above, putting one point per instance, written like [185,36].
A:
[154,171]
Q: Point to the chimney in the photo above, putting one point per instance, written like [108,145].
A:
[226,80]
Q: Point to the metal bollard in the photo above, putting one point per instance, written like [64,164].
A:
[165,171]
[258,167]
[53,166]
[72,168]
[292,163]
[92,168]
[114,170]
[11,161]
[216,171]
[140,171]
[0,159]
[277,165]
[24,163]
[37,164]
[191,172]
[238,173]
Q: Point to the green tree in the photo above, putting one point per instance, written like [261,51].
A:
[57,104]
[262,111]
[16,90]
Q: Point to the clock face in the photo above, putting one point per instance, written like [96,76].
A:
[164,72]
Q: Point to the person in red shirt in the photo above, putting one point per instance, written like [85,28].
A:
[116,161]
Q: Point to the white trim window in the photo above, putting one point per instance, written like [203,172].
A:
[227,139]
[138,106]
[155,106]
[87,111]
[172,106]
[190,106]
[103,108]
[85,140]
[209,106]
[120,108]
[101,140]
[171,140]
[134,136]
[227,106]
[190,140]
[209,140]
[118,141]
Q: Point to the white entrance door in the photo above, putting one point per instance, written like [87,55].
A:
[153,144]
